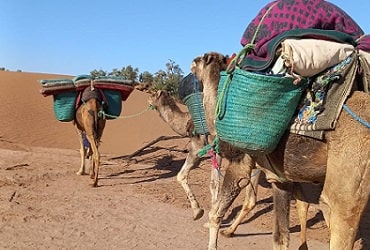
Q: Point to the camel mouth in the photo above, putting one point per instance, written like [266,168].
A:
[193,66]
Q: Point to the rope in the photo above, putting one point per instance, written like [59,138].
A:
[214,146]
[236,60]
[356,117]
[212,150]
[103,114]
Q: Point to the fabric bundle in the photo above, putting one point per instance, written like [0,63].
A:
[303,50]
[67,94]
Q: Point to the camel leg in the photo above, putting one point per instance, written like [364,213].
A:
[94,171]
[302,210]
[214,185]
[236,178]
[249,203]
[281,197]
[344,200]
[182,178]
[343,219]
[81,171]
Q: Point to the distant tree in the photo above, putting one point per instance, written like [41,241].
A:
[115,72]
[169,80]
[159,80]
[96,73]
[130,73]
[2,69]
[146,77]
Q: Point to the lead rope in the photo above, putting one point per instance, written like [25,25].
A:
[356,117]
[104,115]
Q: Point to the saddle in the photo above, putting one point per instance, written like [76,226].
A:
[347,76]
[88,93]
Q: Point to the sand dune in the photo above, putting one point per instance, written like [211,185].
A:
[28,118]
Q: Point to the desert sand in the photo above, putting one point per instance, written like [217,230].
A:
[138,204]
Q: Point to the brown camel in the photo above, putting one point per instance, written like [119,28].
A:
[341,163]
[90,125]
[169,111]
[181,123]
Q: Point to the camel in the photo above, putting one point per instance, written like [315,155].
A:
[90,125]
[340,163]
[181,123]
[169,111]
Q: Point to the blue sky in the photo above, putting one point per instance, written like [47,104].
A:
[75,37]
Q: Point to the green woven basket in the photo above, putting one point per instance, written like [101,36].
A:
[194,102]
[254,110]
[114,99]
[64,106]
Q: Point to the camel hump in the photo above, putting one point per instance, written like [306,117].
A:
[88,94]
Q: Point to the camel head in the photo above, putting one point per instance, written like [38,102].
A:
[170,112]
[161,98]
[207,67]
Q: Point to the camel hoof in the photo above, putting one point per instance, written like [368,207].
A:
[94,184]
[81,173]
[227,233]
[198,214]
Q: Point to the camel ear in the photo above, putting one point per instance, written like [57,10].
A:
[225,59]
[225,62]
[208,58]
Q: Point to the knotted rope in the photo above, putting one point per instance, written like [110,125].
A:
[212,150]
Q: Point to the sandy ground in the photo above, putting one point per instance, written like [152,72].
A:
[138,204]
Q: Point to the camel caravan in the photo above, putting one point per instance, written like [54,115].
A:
[294,103]
[88,103]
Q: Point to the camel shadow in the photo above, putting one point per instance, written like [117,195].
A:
[234,212]
[363,234]
[164,168]
[310,223]
[163,165]
[148,148]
